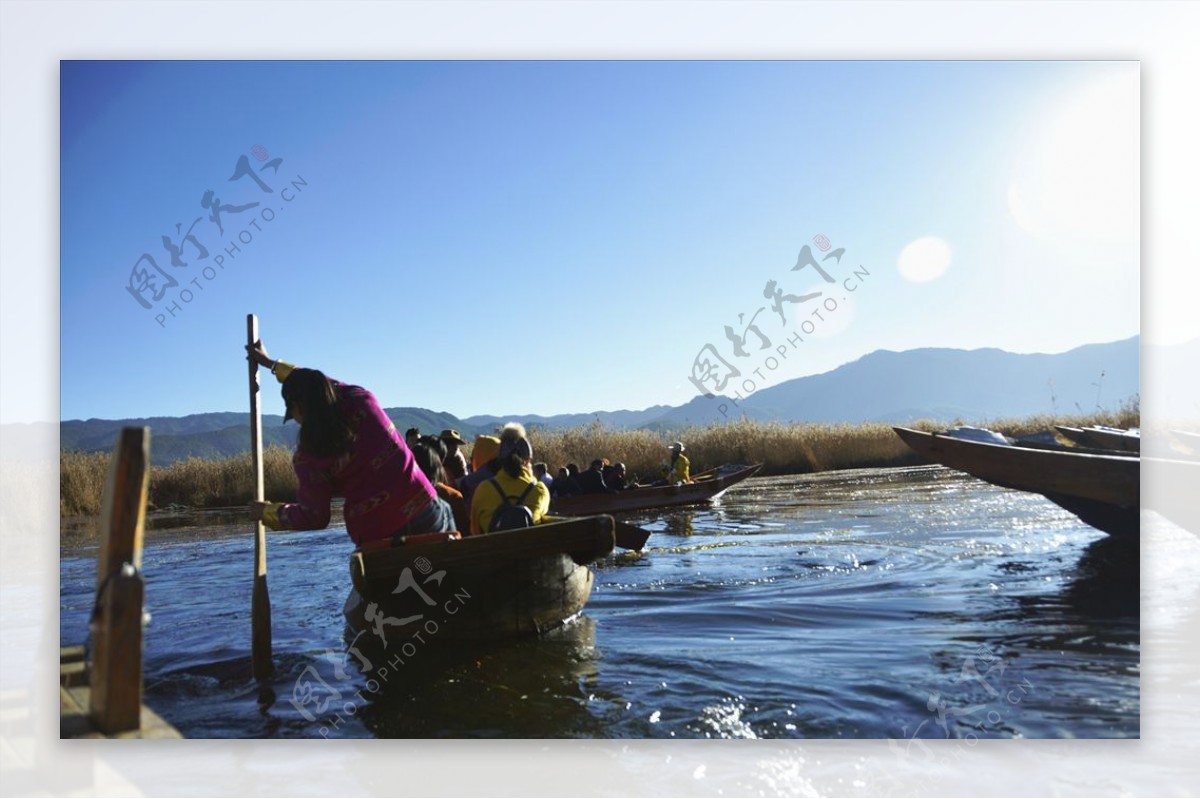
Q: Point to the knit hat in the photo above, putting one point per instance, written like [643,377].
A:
[486,448]
[520,446]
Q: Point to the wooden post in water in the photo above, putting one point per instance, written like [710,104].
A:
[116,678]
[260,601]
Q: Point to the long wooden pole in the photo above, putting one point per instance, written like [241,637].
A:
[260,600]
[116,681]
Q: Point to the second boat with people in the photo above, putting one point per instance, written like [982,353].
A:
[704,488]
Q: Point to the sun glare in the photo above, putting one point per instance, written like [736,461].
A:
[924,259]
[1077,177]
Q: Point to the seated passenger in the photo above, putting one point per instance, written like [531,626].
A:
[455,462]
[675,470]
[592,480]
[483,465]
[514,491]
[429,453]
[614,477]
[678,471]
[564,485]
[542,472]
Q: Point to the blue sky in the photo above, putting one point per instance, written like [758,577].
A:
[548,237]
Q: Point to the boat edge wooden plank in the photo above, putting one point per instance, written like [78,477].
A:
[1103,490]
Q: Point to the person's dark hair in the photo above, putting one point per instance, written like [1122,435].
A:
[429,460]
[597,463]
[573,469]
[515,449]
[412,433]
[436,444]
[540,469]
[324,431]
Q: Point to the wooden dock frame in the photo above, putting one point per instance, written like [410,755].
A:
[105,700]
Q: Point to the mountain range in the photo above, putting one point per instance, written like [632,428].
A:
[884,386]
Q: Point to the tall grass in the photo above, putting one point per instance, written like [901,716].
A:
[781,448]
[81,478]
[195,482]
[203,483]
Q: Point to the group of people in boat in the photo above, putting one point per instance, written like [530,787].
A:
[395,487]
[603,477]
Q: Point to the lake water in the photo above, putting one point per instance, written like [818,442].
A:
[908,604]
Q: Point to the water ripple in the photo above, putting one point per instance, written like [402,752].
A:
[887,603]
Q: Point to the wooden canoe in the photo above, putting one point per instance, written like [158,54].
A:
[499,585]
[1102,438]
[1102,490]
[648,497]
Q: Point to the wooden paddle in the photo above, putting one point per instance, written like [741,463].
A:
[260,600]
[626,536]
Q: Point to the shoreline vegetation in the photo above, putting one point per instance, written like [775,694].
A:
[198,483]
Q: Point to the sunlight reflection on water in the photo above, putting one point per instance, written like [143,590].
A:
[878,603]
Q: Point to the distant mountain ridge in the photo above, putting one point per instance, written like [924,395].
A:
[947,384]
[884,386]
[220,434]
[620,419]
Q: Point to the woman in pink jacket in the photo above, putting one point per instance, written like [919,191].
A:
[348,447]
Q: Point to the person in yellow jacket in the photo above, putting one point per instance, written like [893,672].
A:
[514,480]
[678,466]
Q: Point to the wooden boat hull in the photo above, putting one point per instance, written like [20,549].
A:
[1102,439]
[499,585]
[649,497]
[1102,490]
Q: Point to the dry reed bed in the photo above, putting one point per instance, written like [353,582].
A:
[781,448]
[195,482]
